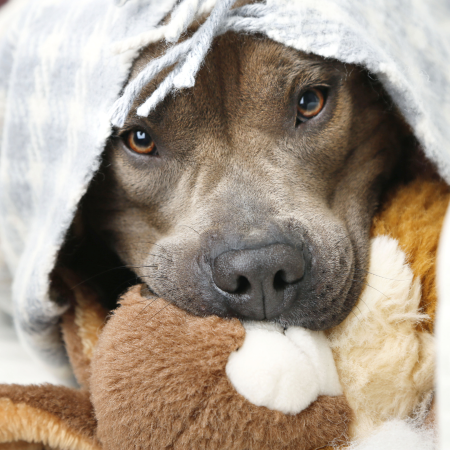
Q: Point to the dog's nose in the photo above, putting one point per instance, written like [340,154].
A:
[259,283]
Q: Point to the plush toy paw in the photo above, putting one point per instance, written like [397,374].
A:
[284,370]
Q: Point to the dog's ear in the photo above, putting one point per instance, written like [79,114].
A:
[33,417]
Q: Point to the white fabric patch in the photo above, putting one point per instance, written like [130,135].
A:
[397,435]
[283,371]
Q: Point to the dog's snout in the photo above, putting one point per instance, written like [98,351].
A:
[259,283]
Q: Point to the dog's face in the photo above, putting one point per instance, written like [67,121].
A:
[251,194]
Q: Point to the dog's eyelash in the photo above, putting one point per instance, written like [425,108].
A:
[124,131]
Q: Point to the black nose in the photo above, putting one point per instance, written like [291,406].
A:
[260,283]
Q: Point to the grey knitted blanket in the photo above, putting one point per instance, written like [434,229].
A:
[63,66]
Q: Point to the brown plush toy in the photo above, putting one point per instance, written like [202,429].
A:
[158,380]
[155,377]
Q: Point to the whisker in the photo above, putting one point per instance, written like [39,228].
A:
[145,307]
[356,306]
[157,277]
[168,304]
[356,315]
[187,226]
[365,304]
[367,284]
[380,276]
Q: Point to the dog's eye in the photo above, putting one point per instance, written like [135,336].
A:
[141,142]
[310,104]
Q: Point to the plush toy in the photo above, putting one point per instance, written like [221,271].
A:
[158,380]
[153,377]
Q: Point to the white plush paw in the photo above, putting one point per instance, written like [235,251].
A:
[284,371]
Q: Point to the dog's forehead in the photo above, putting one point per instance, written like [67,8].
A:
[242,76]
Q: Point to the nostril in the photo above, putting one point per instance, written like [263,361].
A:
[279,281]
[282,280]
[243,286]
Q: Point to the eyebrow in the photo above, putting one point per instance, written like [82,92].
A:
[307,74]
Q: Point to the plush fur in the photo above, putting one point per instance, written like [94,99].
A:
[22,445]
[385,365]
[81,326]
[284,370]
[413,215]
[56,416]
[158,375]
[78,360]
[384,350]
[397,435]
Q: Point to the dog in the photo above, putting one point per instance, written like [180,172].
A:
[249,195]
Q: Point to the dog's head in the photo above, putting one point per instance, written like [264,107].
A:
[251,194]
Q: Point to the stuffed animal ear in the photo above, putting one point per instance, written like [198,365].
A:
[46,416]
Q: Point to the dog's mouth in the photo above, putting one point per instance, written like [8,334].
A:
[284,280]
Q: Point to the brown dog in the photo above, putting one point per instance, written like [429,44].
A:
[251,194]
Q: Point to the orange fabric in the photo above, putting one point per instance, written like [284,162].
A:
[413,214]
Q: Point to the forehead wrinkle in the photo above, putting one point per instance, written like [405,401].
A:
[270,72]
[287,65]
